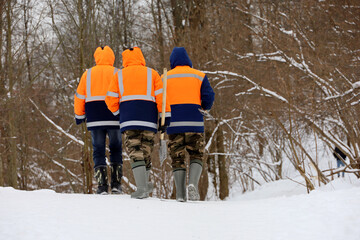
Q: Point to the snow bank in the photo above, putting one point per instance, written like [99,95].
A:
[279,210]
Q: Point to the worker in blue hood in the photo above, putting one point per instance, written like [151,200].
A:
[188,92]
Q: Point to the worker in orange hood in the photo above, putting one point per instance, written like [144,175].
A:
[135,93]
[90,107]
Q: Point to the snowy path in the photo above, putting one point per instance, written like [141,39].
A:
[45,214]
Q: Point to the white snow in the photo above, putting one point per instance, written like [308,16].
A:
[278,210]
[356,84]
[288,32]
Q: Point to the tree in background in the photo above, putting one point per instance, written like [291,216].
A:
[285,75]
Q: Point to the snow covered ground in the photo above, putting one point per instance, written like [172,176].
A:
[279,210]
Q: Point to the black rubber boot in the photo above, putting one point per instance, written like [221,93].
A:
[102,180]
[116,175]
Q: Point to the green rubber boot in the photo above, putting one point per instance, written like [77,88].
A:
[194,176]
[141,183]
[149,184]
[179,178]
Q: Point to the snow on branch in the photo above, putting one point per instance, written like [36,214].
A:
[302,65]
[257,86]
[273,56]
[345,169]
[72,137]
[245,159]
[340,95]
[126,180]
[211,138]
[356,84]
[281,29]
[57,163]
[220,122]
[351,90]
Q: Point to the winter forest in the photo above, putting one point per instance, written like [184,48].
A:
[286,76]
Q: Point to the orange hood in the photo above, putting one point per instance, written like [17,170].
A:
[104,56]
[133,57]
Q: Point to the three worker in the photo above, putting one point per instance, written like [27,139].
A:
[133,97]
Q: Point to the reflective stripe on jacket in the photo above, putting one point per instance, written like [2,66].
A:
[188,90]
[136,93]
[89,99]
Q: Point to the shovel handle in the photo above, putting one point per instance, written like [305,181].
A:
[163,101]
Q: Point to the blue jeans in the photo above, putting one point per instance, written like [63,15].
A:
[339,163]
[98,137]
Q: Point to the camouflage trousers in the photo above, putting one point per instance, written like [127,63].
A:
[191,142]
[139,145]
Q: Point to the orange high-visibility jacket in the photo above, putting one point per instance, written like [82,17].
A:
[136,93]
[188,91]
[89,100]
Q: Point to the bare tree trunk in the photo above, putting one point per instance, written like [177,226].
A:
[296,161]
[117,36]
[211,161]
[23,156]
[223,175]
[2,79]
[90,32]
[159,29]
[23,136]
[2,86]
[81,37]
[12,155]
[204,183]
[87,162]
[26,38]
[278,167]
[161,35]
[208,162]
[178,13]
[173,193]
[256,40]
[125,27]
[221,159]
[11,129]
[86,156]
[1,169]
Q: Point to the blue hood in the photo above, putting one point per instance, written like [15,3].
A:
[179,57]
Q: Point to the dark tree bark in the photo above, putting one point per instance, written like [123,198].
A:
[86,152]
[11,120]
[178,12]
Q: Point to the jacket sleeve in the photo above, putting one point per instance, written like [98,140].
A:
[113,95]
[79,98]
[207,94]
[159,96]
